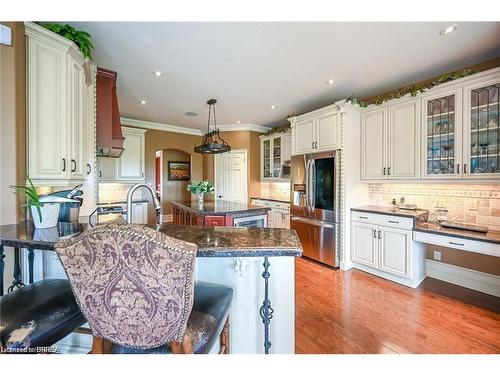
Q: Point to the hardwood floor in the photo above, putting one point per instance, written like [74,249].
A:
[355,312]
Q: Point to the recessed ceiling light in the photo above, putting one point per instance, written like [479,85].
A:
[238,121]
[192,114]
[143,102]
[273,106]
[448,30]
[157,73]
[330,82]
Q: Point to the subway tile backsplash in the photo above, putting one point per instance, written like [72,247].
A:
[471,203]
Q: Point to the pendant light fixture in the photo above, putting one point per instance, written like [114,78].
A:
[212,142]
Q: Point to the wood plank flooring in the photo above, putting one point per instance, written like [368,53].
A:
[355,312]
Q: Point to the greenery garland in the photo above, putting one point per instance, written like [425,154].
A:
[82,39]
[413,90]
[278,129]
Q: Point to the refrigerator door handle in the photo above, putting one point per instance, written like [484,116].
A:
[317,223]
[313,184]
[307,183]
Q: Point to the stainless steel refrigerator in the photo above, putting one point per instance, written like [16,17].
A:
[314,204]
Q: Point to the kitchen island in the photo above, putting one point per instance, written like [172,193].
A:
[257,263]
[219,213]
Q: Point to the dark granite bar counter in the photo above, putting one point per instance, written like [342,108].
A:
[413,214]
[491,236]
[221,207]
[211,241]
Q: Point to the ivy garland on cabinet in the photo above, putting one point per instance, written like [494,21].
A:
[82,39]
[278,129]
[413,90]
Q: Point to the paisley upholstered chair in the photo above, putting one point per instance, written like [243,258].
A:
[135,286]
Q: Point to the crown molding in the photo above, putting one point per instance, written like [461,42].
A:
[243,127]
[125,121]
[159,126]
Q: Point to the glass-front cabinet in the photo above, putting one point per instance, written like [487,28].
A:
[482,130]
[275,152]
[442,135]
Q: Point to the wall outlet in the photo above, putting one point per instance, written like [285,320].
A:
[437,255]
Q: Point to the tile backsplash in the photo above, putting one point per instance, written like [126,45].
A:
[471,203]
[114,192]
[275,190]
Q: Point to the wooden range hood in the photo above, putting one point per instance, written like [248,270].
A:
[109,129]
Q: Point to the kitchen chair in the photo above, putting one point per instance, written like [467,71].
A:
[38,315]
[135,286]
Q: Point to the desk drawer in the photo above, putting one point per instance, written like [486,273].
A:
[385,220]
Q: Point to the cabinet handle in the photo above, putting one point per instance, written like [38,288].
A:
[142,174]
[456,243]
[313,145]
[458,168]
[73,163]
[100,173]
[89,168]
[363,217]
[379,235]
[465,168]
[384,171]
[394,221]
[389,171]
[64,165]
[316,144]
[375,233]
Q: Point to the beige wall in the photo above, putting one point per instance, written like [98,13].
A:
[12,122]
[246,140]
[173,190]
[157,140]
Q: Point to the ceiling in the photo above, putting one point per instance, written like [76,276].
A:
[248,67]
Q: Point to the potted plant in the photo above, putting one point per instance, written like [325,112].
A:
[200,188]
[45,214]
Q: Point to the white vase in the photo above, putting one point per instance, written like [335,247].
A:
[50,214]
[200,198]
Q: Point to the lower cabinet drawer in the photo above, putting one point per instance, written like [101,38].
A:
[386,220]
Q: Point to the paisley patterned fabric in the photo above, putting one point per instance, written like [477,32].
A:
[133,284]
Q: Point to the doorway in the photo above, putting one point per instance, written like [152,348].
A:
[231,176]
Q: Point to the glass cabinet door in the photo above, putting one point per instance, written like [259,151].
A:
[277,157]
[442,136]
[267,159]
[483,128]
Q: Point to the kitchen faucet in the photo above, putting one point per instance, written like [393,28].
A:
[156,202]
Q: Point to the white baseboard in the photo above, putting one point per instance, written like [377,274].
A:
[475,280]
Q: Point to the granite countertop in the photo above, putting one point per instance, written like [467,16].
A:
[220,207]
[272,199]
[211,241]
[414,214]
[492,236]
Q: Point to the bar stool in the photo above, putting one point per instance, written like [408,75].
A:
[136,288]
[38,315]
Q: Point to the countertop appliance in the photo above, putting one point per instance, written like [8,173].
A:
[314,204]
[256,221]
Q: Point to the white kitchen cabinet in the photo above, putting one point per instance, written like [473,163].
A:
[107,168]
[364,243]
[55,114]
[383,245]
[279,216]
[130,165]
[390,139]
[316,131]
[327,131]
[373,145]
[394,251]
[274,151]
[140,213]
[403,141]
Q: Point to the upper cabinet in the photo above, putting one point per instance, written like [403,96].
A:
[390,142]
[57,124]
[275,150]
[451,132]
[316,131]
[130,166]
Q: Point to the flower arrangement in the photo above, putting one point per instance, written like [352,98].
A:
[200,188]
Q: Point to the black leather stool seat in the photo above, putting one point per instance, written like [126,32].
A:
[39,314]
[210,311]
